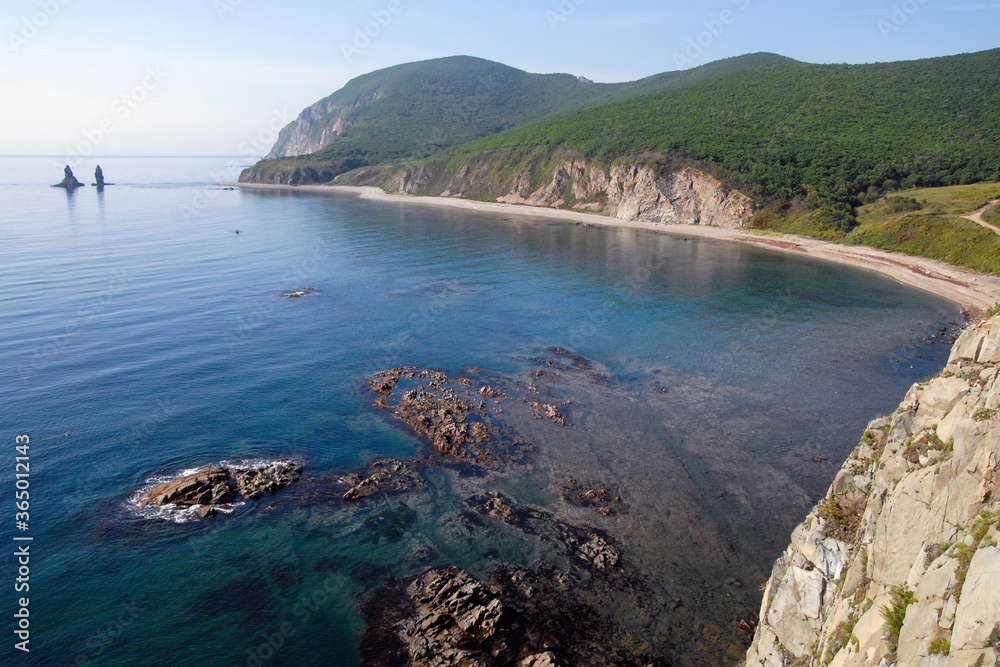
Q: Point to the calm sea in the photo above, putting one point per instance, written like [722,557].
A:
[140,336]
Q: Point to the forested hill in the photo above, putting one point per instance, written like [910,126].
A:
[418,109]
[822,137]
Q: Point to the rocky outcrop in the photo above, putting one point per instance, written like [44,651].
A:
[69,180]
[433,410]
[317,126]
[278,175]
[900,564]
[451,606]
[524,617]
[221,485]
[627,190]
[383,474]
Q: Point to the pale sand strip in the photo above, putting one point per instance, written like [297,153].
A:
[972,291]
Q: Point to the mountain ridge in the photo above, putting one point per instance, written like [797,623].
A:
[417,109]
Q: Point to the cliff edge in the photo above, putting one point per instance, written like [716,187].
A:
[899,564]
[646,190]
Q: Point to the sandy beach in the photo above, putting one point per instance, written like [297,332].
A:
[972,291]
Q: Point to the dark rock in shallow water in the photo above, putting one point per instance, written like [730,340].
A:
[385,474]
[296,294]
[253,482]
[219,485]
[520,616]
[99,177]
[69,182]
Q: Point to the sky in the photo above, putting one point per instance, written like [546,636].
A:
[220,77]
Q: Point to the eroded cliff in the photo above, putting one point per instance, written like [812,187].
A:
[899,564]
[629,190]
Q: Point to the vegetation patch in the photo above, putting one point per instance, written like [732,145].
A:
[992,214]
[842,636]
[964,553]
[894,613]
[957,199]
[842,517]
[939,646]
[949,239]
[985,414]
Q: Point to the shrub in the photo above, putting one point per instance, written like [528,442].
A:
[843,517]
[939,646]
[895,612]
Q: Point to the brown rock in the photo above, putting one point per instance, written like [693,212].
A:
[254,482]
[205,487]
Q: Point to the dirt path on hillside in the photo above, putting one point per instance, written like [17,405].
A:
[977,217]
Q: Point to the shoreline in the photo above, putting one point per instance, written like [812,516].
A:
[973,292]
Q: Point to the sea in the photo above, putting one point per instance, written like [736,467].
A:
[141,337]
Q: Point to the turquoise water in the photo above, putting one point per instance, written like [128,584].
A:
[141,336]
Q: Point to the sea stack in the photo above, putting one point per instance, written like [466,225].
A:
[98,177]
[69,182]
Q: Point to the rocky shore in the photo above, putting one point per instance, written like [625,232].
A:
[899,563]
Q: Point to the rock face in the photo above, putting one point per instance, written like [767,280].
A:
[900,564]
[205,487]
[316,127]
[220,485]
[69,182]
[625,190]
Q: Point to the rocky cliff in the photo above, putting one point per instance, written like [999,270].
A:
[900,564]
[628,190]
[317,126]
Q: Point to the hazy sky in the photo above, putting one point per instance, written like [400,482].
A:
[200,77]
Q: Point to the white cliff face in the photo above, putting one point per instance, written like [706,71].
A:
[911,522]
[317,126]
[627,191]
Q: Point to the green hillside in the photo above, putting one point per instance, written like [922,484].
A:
[817,138]
[418,109]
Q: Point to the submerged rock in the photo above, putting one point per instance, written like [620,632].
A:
[296,294]
[69,181]
[518,616]
[386,474]
[220,485]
